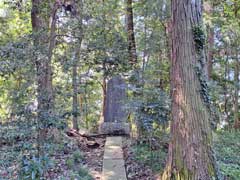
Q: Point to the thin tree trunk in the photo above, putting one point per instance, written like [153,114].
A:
[44,43]
[226,72]
[236,77]
[104,81]
[210,53]
[190,153]
[145,53]
[104,88]
[130,31]
[236,93]
[75,94]
[208,8]
[86,106]
[132,52]
[75,82]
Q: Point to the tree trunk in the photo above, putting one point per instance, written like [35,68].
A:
[86,106]
[104,81]
[236,77]
[209,11]
[132,54]
[44,42]
[43,62]
[190,153]
[130,31]
[75,82]
[236,93]
[210,53]
[225,85]
[104,88]
[75,93]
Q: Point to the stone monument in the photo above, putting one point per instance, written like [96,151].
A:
[115,114]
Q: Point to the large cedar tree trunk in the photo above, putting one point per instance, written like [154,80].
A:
[190,154]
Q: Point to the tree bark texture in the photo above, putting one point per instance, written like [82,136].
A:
[236,93]
[104,89]
[210,53]
[130,32]
[236,76]
[75,93]
[190,154]
[75,82]
[43,19]
[210,39]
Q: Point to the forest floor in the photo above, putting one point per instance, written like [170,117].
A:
[76,156]
[145,160]
[135,169]
[70,156]
[93,151]
[142,160]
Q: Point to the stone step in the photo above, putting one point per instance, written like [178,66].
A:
[113,163]
[114,141]
[114,169]
[113,152]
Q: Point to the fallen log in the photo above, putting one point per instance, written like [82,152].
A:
[74,133]
[83,139]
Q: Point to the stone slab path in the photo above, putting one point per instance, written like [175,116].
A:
[113,163]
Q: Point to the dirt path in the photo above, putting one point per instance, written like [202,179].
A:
[113,163]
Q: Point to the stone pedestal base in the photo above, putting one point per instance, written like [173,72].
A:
[114,128]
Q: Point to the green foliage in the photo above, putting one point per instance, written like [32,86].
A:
[77,156]
[81,173]
[155,159]
[199,38]
[227,145]
[33,167]
[200,41]
[153,109]
[70,163]
[204,86]
[74,160]
[84,174]
[103,54]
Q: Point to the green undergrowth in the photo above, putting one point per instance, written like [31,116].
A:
[77,172]
[227,148]
[81,174]
[19,156]
[150,155]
